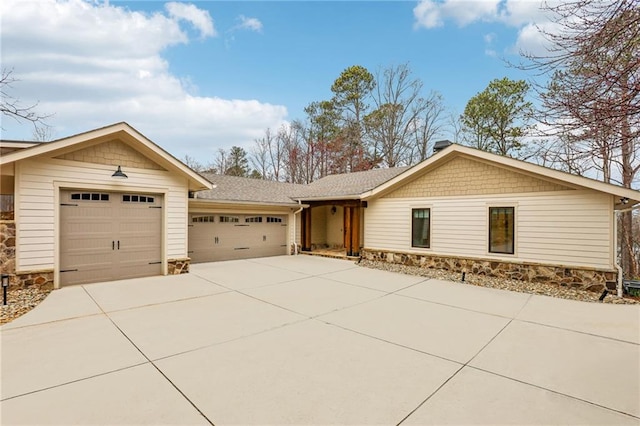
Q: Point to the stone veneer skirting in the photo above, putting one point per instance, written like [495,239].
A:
[178,266]
[584,278]
[42,279]
[7,247]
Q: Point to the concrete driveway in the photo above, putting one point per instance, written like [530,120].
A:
[307,340]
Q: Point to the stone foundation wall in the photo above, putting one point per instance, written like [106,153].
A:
[7,247]
[588,279]
[42,279]
[178,266]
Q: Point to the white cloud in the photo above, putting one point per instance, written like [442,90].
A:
[531,39]
[199,18]
[489,39]
[525,15]
[432,13]
[252,24]
[92,65]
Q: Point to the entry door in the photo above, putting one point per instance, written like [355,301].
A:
[109,236]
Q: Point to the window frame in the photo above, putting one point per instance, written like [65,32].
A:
[228,219]
[413,209]
[514,229]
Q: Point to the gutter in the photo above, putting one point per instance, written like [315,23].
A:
[244,202]
[615,253]
[329,198]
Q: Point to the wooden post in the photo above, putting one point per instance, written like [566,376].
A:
[347,231]
[355,231]
[305,228]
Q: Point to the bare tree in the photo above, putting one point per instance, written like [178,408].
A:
[455,126]
[295,154]
[277,152]
[193,164]
[594,92]
[220,162]
[428,126]
[399,107]
[259,155]
[43,133]
[11,106]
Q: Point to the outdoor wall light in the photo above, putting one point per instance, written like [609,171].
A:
[5,285]
[119,174]
[334,210]
[624,200]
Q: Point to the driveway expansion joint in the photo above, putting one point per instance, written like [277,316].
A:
[154,365]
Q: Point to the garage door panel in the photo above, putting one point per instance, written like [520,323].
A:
[102,237]
[213,239]
[96,242]
[133,269]
[86,274]
[201,239]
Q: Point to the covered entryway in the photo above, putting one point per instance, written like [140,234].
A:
[226,236]
[109,236]
[333,225]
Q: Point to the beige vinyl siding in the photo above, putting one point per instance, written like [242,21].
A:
[39,180]
[319,225]
[571,228]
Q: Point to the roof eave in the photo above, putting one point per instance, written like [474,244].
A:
[329,198]
[545,172]
[245,202]
[196,182]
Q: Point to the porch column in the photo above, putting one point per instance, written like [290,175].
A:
[348,246]
[355,231]
[305,237]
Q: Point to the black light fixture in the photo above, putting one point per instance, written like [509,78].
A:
[334,210]
[624,200]
[119,174]
[5,285]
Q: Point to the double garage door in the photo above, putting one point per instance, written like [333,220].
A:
[108,236]
[214,237]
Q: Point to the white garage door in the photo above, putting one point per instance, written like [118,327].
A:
[215,237]
[109,236]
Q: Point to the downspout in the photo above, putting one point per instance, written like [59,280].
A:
[615,245]
[615,252]
[295,244]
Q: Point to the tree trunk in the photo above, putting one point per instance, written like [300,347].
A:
[629,265]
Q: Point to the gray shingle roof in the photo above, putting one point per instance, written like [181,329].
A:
[347,184]
[233,188]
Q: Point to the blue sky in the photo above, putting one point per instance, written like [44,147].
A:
[198,76]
